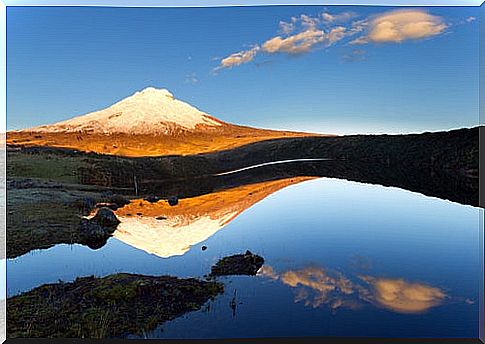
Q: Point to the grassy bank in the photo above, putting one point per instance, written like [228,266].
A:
[112,306]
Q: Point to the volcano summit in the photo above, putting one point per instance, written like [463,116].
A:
[151,122]
[150,111]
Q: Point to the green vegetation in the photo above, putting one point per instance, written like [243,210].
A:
[42,214]
[46,199]
[45,166]
[238,264]
[112,306]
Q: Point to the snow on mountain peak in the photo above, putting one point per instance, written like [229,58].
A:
[149,111]
[154,93]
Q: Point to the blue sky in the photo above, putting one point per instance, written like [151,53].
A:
[339,69]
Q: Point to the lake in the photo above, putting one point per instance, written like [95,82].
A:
[342,258]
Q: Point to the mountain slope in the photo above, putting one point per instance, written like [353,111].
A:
[150,111]
[150,122]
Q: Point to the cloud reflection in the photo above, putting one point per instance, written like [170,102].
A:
[316,286]
[404,297]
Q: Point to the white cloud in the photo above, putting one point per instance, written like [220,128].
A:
[295,44]
[304,33]
[304,41]
[470,19]
[297,36]
[401,25]
[309,22]
[359,25]
[287,28]
[239,58]
[360,40]
[336,34]
[337,18]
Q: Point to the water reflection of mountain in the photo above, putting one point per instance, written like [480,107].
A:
[166,231]
[55,186]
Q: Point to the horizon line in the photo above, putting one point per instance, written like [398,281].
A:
[426,131]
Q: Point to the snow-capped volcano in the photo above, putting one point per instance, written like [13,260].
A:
[150,122]
[150,111]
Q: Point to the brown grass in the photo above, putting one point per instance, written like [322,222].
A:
[179,143]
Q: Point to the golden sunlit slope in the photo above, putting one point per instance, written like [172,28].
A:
[166,231]
[151,122]
[136,145]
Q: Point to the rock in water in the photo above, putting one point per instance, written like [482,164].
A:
[105,217]
[238,264]
[173,200]
[95,232]
[152,198]
[119,201]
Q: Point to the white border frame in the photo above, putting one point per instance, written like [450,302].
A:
[157,3]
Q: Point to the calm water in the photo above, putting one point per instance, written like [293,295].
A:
[341,259]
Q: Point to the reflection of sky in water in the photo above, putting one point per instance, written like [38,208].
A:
[318,286]
[414,261]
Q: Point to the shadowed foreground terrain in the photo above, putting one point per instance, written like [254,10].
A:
[112,306]
[117,305]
